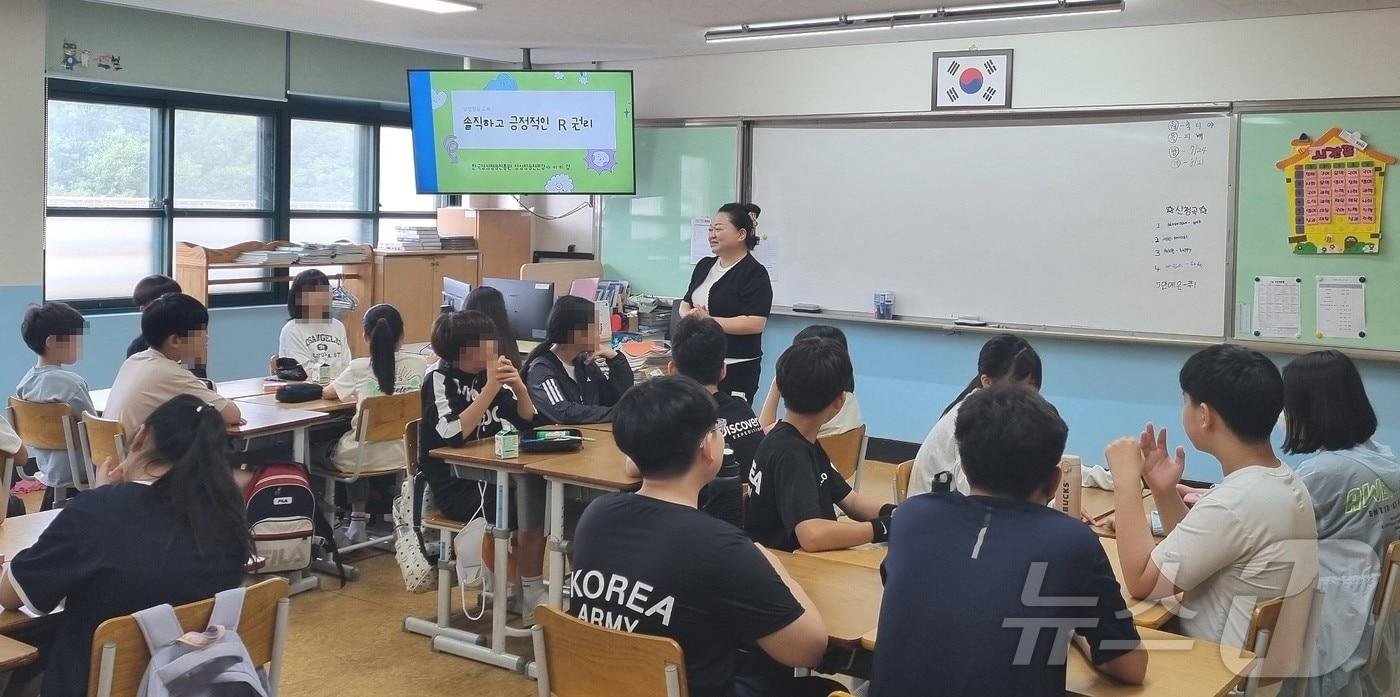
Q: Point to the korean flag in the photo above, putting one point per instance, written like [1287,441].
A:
[972,81]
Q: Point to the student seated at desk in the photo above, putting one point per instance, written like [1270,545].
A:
[961,568]
[793,486]
[1351,479]
[145,293]
[312,337]
[1252,536]
[490,302]
[471,394]
[1004,358]
[697,352]
[684,574]
[387,370]
[574,379]
[169,529]
[848,419]
[177,328]
[54,332]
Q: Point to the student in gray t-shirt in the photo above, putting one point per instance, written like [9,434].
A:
[1354,483]
[54,331]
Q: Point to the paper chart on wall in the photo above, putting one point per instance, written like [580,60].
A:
[1278,306]
[1341,306]
[699,239]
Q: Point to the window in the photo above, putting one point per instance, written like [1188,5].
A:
[224,186]
[133,172]
[103,202]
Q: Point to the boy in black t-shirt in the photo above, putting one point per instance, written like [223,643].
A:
[697,352]
[792,484]
[651,563]
[1003,578]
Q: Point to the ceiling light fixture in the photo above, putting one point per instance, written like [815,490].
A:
[1027,9]
[441,7]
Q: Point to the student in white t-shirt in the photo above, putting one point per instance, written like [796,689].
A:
[1004,358]
[848,419]
[387,370]
[1249,540]
[311,337]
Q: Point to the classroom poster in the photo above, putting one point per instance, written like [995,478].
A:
[1335,189]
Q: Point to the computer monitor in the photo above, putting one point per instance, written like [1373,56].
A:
[527,304]
[454,293]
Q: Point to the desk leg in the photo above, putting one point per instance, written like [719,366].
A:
[500,587]
[301,447]
[556,544]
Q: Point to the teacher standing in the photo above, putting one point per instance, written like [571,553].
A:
[733,288]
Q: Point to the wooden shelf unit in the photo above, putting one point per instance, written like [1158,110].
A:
[193,264]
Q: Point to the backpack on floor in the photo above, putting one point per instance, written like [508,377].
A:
[212,663]
[417,563]
[281,516]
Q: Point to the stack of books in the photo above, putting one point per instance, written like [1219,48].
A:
[653,315]
[269,257]
[640,353]
[459,244]
[614,293]
[415,239]
[346,253]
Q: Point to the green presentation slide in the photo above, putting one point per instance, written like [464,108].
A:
[522,132]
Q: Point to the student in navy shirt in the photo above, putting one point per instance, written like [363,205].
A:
[684,574]
[964,572]
[169,529]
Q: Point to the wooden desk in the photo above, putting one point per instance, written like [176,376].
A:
[1201,671]
[16,535]
[1097,504]
[846,595]
[1145,613]
[481,455]
[265,420]
[324,406]
[598,466]
[229,389]
[14,654]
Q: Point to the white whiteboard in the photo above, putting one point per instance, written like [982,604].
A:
[1108,226]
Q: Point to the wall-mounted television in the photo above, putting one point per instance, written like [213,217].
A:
[522,131]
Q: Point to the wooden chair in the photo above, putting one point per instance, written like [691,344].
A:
[901,480]
[1387,601]
[578,659]
[847,452]
[120,655]
[381,419]
[50,426]
[1262,626]
[101,438]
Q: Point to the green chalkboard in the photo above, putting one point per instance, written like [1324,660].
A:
[1262,247]
[682,173]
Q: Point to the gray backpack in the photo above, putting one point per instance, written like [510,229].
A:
[212,663]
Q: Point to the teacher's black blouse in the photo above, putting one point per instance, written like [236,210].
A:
[743,290]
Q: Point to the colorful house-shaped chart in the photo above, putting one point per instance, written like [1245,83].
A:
[1335,186]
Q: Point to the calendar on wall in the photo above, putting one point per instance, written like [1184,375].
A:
[1336,185]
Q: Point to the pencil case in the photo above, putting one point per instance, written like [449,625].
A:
[551,440]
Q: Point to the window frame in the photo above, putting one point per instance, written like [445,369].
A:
[372,115]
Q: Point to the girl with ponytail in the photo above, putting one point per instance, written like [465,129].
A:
[387,370]
[1004,358]
[166,525]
